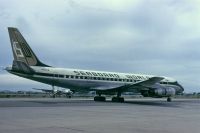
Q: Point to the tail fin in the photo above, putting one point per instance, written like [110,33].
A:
[21,50]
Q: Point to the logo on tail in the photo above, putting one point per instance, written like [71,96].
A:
[17,50]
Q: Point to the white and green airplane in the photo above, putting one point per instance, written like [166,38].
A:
[27,65]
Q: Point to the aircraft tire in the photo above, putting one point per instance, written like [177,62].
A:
[169,99]
[118,99]
[100,98]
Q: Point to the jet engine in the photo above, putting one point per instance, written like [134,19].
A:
[159,92]
[164,92]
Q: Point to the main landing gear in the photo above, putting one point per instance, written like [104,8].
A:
[169,99]
[100,98]
[118,98]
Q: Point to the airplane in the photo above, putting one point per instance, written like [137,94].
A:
[27,65]
[67,92]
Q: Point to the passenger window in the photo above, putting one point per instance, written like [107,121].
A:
[61,76]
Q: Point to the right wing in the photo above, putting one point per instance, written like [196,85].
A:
[149,83]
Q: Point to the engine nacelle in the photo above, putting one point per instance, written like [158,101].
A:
[164,92]
[159,92]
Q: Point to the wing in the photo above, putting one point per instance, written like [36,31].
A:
[149,83]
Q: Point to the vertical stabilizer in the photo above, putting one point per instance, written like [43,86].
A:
[21,50]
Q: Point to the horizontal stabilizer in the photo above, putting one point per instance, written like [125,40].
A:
[22,67]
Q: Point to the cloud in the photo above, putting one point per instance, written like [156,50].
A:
[140,36]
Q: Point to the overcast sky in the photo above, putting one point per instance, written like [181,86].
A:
[158,37]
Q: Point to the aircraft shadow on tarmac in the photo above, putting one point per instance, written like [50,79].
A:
[155,103]
[60,103]
[109,103]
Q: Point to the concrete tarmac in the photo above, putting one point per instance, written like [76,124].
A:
[86,116]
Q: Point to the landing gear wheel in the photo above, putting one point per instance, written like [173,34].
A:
[100,98]
[169,99]
[118,99]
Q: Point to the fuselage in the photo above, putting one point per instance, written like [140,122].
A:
[87,80]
